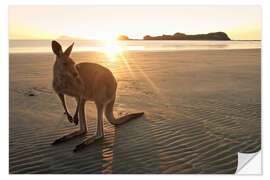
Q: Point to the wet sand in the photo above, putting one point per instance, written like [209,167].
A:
[201,108]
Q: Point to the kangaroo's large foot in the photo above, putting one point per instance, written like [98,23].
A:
[87,142]
[68,137]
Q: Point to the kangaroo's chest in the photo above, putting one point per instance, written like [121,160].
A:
[64,86]
[59,84]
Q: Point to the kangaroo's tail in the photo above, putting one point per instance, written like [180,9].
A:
[109,115]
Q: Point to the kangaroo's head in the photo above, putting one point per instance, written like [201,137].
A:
[63,62]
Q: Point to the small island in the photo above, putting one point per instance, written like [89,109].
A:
[181,36]
[63,37]
[123,37]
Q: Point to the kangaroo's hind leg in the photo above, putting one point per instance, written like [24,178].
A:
[83,128]
[99,134]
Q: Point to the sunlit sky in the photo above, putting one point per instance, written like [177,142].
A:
[106,22]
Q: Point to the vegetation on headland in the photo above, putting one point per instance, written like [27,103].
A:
[182,36]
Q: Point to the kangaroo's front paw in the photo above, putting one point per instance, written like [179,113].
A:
[76,120]
[70,119]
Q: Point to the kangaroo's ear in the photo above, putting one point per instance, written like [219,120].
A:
[68,50]
[57,49]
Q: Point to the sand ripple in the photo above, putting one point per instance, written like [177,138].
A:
[199,114]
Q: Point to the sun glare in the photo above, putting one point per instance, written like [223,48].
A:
[111,48]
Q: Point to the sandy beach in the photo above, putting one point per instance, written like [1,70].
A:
[201,108]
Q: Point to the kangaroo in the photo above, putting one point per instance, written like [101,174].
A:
[86,82]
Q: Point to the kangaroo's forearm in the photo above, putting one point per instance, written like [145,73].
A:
[78,106]
[62,98]
[75,117]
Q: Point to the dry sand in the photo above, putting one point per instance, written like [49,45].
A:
[201,108]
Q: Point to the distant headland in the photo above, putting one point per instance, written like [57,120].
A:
[182,36]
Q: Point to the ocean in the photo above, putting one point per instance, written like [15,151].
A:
[37,46]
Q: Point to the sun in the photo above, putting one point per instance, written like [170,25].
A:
[111,48]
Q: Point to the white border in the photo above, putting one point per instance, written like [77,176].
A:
[265,77]
[137,2]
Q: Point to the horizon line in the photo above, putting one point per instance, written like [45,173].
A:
[85,39]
